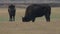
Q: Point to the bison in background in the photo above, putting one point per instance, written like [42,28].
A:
[11,11]
[37,10]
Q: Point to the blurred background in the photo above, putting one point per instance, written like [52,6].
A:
[24,3]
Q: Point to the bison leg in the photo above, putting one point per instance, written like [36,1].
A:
[47,18]
[13,18]
[10,18]
[33,19]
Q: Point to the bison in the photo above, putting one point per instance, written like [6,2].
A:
[37,10]
[11,11]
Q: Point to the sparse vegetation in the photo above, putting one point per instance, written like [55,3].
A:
[40,26]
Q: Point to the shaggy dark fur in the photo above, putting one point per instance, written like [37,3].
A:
[37,10]
[11,11]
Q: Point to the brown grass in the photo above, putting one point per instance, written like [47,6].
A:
[40,26]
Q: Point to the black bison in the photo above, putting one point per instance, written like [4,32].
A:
[11,11]
[37,10]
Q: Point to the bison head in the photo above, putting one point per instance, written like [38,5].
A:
[25,19]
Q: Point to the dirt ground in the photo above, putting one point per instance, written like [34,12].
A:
[40,26]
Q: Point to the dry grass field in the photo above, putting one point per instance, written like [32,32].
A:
[40,26]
